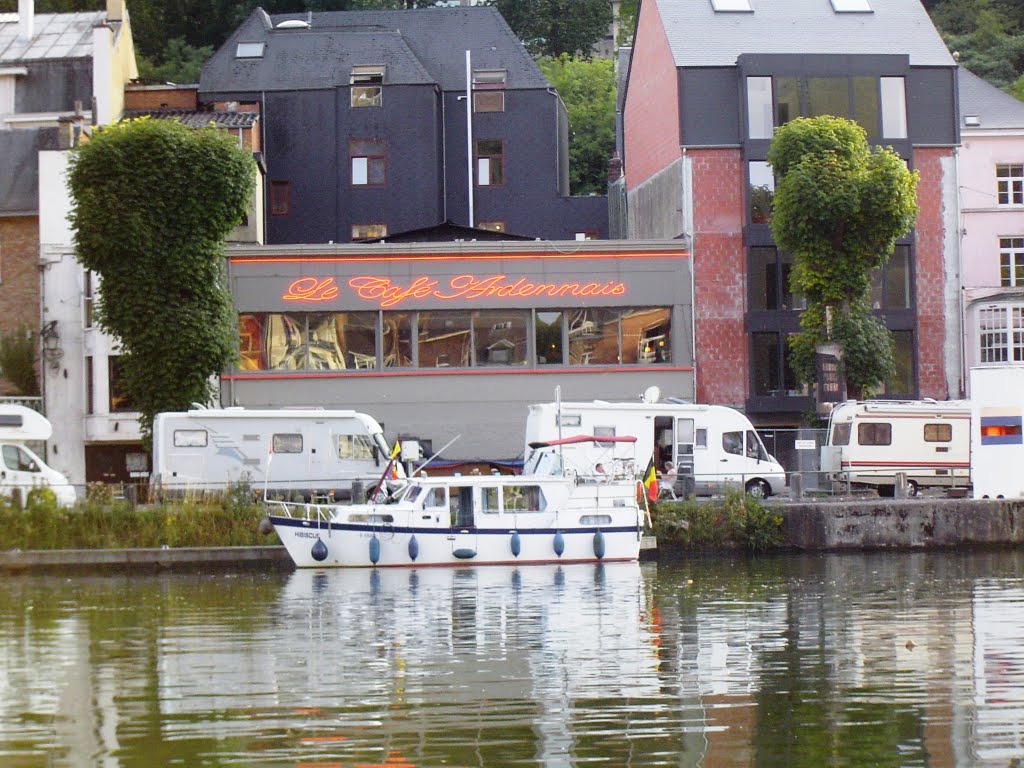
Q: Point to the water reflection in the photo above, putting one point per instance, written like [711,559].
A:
[842,660]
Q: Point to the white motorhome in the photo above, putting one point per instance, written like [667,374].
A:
[711,447]
[997,442]
[310,451]
[21,469]
[870,441]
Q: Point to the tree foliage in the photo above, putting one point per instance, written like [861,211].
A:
[553,27]
[839,208]
[19,354]
[587,86]
[153,201]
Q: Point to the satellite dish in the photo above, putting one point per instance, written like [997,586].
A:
[652,394]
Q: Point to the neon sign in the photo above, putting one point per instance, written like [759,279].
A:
[465,287]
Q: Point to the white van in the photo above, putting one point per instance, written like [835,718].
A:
[870,441]
[315,452]
[21,470]
[997,437]
[711,447]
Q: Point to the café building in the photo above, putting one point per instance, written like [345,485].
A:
[452,341]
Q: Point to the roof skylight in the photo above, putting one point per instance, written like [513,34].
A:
[851,6]
[249,51]
[731,5]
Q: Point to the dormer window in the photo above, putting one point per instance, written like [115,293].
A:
[489,90]
[367,86]
[851,6]
[249,50]
[726,6]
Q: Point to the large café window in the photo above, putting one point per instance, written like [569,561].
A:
[490,338]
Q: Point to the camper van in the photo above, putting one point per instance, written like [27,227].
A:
[870,441]
[22,470]
[997,442]
[312,452]
[710,447]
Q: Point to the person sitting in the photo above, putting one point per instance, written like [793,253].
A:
[667,480]
[599,474]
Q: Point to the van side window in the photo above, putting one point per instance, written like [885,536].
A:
[732,442]
[356,447]
[841,434]
[16,459]
[190,438]
[879,433]
[754,448]
[938,433]
[702,438]
[604,432]
[287,444]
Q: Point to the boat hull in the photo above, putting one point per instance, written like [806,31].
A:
[355,546]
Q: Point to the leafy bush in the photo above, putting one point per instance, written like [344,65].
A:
[737,520]
[18,356]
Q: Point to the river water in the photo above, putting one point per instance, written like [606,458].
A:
[880,660]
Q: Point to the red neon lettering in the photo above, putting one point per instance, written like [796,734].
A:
[311,289]
[380,289]
[465,287]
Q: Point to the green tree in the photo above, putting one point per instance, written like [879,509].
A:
[18,358]
[588,89]
[178,63]
[839,208]
[554,27]
[153,201]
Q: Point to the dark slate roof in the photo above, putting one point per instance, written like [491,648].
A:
[994,108]
[700,37]
[54,36]
[446,232]
[623,57]
[19,168]
[420,46]
[199,118]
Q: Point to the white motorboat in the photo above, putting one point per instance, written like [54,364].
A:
[549,513]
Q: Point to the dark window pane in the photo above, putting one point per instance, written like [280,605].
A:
[897,279]
[762,278]
[767,364]
[865,104]
[787,99]
[549,338]
[828,96]
[761,191]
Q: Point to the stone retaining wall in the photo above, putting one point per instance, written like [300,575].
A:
[911,524]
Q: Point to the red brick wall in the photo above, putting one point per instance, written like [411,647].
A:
[651,113]
[162,98]
[928,292]
[719,268]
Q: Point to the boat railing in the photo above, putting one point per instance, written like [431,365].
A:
[299,509]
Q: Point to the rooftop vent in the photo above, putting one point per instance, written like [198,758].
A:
[293,24]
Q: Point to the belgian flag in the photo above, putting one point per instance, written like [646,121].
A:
[651,481]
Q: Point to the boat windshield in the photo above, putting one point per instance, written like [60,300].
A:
[411,493]
[543,462]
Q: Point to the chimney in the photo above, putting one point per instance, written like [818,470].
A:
[26,19]
[614,169]
[115,10]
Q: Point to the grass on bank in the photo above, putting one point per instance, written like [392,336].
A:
[101,521]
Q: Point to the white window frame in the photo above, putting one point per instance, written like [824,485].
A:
[1009,184]
[1000,334]
[1011,261]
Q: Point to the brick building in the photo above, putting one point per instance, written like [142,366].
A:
[708,82]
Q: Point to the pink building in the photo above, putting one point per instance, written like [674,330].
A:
[991,169]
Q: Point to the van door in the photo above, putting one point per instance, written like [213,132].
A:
[732,461]
[20,472]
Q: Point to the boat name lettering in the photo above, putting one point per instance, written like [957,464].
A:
[307,535]
[465,287]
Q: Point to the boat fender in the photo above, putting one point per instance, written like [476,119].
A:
[414,548]
[516,544]
[464,553]
[559,543]
[319,551]
[265,527]
[374,549]
[599,545]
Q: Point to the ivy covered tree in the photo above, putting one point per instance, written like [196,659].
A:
[839,208]
[153,201]
[588,89]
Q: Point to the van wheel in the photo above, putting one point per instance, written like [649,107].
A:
[758,489]
[912,489]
